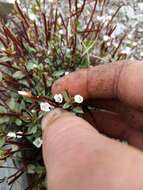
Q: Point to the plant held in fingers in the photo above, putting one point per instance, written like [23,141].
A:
[38,45]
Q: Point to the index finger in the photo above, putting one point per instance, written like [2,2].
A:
[120,80]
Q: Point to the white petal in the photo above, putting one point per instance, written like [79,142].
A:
[24,93]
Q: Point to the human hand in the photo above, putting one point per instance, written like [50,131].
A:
[76,155]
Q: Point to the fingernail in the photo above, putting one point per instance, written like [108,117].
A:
[51,117]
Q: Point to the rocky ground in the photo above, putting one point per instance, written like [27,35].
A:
[130,17]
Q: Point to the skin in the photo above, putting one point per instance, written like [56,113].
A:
[78,153]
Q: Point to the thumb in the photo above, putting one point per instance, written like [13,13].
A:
[67,140]
[76,156]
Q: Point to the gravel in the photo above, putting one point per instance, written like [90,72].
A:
[130,18]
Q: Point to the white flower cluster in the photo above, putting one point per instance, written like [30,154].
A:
[15,135]
[45,106]
[59,98]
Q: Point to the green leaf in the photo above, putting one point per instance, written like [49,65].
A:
[40,170]
[4,119]
[29,49]
[58,73]
[32,65]
[24,82]
[1,76]
[18,75]
[11,104]
[2,141]
[5,59]
[66,106]
[66,96]
[84,63]
[31,169]
[18,122]
[33,129]
[1,152]
[78,110]
[22,105]
[49,82]
[3,109]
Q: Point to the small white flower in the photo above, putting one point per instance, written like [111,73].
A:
[19,134]
[24,93]
[11,135]
[67,73]
[58,98]
[45,106]
[38,142]
[106,38]
[78,99]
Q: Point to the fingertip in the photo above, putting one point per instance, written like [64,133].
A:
[52,116]
[74,83]
[58,86]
